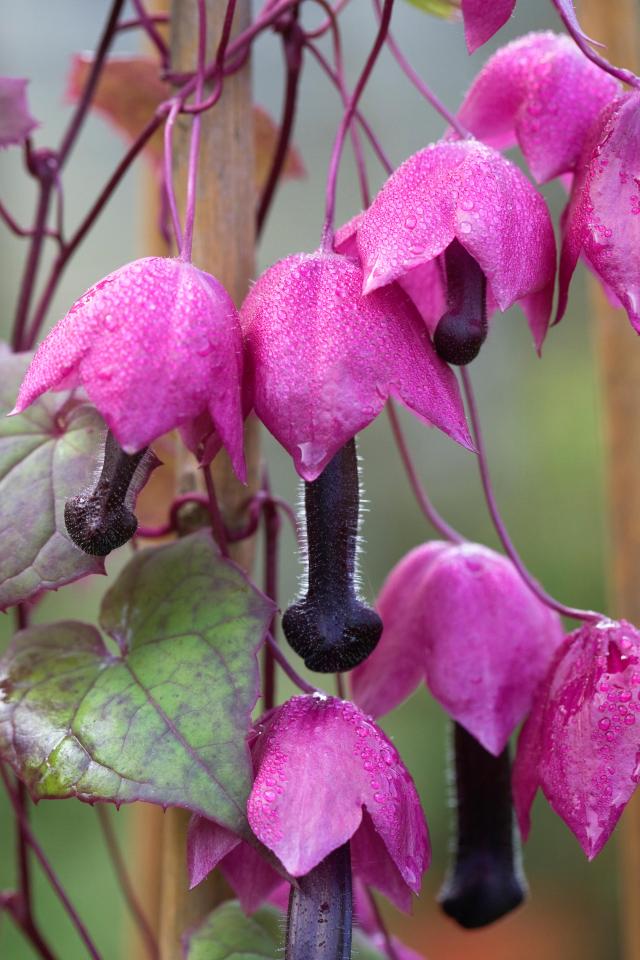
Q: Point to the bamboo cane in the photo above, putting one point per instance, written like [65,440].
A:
[617,25]
[224,241]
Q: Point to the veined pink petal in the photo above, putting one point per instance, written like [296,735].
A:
[461,616]
[320,762]
[325,358]
[16,122]
[483,18]
[582,741]
[155,344]
[541,92]
[602,220]
[466,190]
[395,668]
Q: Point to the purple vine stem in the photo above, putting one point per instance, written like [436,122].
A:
[389,948]
[48,869]
[282,662]
[194,146]
[148,23]
[169,187]
[419,83]
[366,128]
[215,517]
[126,886]
[292,48]
[334,163]
[583,42]
[419,492]
[575,613]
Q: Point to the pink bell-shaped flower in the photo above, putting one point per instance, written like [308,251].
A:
[324,358]
[155,344]
[581,742]
[460,617]
[541,92]
[325,775]
[464,200]
[602,220]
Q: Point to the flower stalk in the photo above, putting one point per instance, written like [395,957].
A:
[321,911]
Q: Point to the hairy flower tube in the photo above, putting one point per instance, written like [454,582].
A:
[324,358]
[542,93]
[325,776]
[464,193]
[155,344]
[460,617]
[602,220]
[581,742]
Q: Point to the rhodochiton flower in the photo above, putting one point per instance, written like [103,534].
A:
[464,200]
[460,617]
[542,93]
[581,742]
[602,220]
[155,344]
[325,775]
[324,358]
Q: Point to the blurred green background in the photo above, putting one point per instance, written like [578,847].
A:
[542,423]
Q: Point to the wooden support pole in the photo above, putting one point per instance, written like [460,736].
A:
[617,25]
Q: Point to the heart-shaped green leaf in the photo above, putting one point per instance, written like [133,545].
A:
[47,454]
[446,9]
[227,934]
[164,717]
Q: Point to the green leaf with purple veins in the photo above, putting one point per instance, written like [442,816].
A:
[47,454]
[160,715]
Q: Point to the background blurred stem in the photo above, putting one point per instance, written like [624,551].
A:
[617,25]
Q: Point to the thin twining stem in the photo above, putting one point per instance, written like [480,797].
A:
[282,662]
[215,517]
[48,869]
[334,163]
[149,23]
[126,886]
[389,947]
[419,83]
[584,43]
[575,613]
[422,497]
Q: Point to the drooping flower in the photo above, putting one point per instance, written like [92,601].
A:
[324,358]
[325,775]
[602,220]
[155,344]
[464,193]
[541,92]
[16,122]
[581,742]
[460,617]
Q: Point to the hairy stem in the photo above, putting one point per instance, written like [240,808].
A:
[320,911]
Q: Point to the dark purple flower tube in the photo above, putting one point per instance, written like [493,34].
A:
[462,330]
[485,879]
[320,911]
[102,519]
[329,627]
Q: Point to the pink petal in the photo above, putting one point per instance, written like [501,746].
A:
[250,876]
[325,358]
[369,926]
[207,844]
[603,217]
[372,865]
[16,123]
[483,18]
[155,344]
[466,190]
[320,762]
[541,92]
[583,734]
[461,615]
[395,668]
